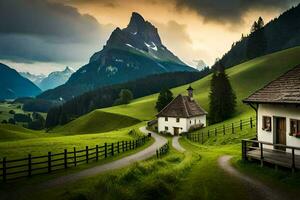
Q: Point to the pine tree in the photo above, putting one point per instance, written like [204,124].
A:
[125,97]
[164,98]
[257,41]
[222,97]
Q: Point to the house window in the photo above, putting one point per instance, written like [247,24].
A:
[166,128]
[166,119]
[177,119]
[295,127]
[190,121]
[266,123]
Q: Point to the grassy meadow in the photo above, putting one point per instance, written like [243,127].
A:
[94,128]
[245,79]
[194,174]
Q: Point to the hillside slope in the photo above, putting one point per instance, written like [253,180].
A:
[245,79]
[96,122]
[280,33]
[13,85]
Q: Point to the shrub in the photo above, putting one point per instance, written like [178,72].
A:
[12,112]
[19,117]
[11,121]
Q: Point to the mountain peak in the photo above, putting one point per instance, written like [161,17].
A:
[136,19]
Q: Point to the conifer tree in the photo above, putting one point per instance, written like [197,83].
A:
[164,98]
[256,42]
[222,97]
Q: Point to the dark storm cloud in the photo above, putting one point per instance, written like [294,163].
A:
[230,11]
[36,30]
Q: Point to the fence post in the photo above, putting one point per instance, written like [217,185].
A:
[130,145]
[157,155]
[232,128]
[293,160]
[202,137]
[243,150]
[97,152]
[216,131]
[75,164]
[118,147]
[49,162]
[105,150]
[251,122]
[4,169]
[65,159]
[261,154]
[122,146]
[29,165]
[87,154]
[198,140]
[241,124]
[112,149]
[223,129]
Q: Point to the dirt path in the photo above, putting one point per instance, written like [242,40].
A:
[256,188]
[176,145]
[123,162]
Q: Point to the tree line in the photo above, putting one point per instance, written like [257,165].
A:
[279,34]
[118,94]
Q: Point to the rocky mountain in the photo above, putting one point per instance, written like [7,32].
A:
[130,53]
[36,79]
[55,79]
[13,85]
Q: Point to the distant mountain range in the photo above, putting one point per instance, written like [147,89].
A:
[13,85]
[55,79]
[36,79]
[51,81]
[280,33]
[130,53]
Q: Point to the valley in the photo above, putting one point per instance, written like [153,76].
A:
[177,102]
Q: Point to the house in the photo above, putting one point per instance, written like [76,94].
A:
[181,115]
[277,107]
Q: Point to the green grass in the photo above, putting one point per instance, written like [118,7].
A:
[12,132]
[151,179]
[245,79]
[5,107]
[42,143]
[96,122]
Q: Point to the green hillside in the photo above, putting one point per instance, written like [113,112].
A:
[13,132]
[245,78]
[96,122]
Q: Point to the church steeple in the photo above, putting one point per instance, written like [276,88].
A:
[190,91]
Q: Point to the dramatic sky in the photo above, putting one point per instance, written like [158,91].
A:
[40,36]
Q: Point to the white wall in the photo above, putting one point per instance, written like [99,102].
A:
[272,110]
[184,123]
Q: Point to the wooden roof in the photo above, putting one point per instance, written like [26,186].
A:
[283,90]
[182,107]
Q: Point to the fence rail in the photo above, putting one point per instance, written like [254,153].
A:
[36,165]
[162,150]
[230,128]
[278,154]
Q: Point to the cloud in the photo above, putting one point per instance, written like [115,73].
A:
[35,30]
[175,36]
[230,11]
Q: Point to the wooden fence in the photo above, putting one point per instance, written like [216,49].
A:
[231,128]
[277,154]
[35,165]
[162,150]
